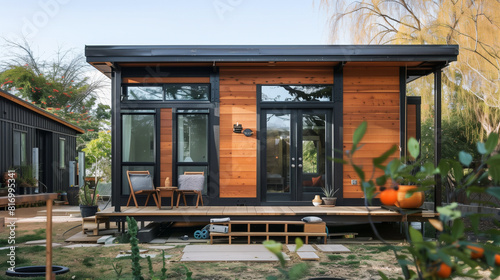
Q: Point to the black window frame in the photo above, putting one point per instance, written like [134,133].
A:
[164,100]
[176,163]
[280,103]
[124,164]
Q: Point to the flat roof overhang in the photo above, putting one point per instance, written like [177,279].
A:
[420,60]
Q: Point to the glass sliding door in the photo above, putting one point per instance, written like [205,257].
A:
[296,150]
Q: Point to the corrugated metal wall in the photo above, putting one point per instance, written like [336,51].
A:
[16,117]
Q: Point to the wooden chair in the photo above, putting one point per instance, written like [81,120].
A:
[141,183]
[191,183]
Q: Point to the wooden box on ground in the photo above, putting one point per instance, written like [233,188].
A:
[269,229]
[92,223]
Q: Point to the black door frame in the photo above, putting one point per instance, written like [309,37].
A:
[296,193]
[334,123]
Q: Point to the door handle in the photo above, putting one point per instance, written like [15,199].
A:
[300,165]
[293,165]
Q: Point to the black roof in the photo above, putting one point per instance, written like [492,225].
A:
[431,56]
[236,53]
[8,96]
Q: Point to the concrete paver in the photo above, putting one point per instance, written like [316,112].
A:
[333,248]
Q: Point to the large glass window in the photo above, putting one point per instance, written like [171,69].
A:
[289,93]
[192,142]
[192,138]
[138,138]
[19,148]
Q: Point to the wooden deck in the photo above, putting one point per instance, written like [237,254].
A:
[338,214]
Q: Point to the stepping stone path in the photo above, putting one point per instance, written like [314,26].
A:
[333,248]
[82,245]
[158,241]
[161,247]
[103,239]
[307,256]
[141,255]
[304,248]
[204,253]
[36,242]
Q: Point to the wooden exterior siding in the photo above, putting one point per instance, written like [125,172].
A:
[370,94]
[411,121]
[238,104]
[166,159]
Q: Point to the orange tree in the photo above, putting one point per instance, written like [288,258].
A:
[450,254]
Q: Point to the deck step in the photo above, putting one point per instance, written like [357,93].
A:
[91,225]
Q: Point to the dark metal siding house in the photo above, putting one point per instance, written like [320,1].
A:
[175,109]
[23,127]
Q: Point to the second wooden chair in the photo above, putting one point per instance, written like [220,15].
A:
[191,183]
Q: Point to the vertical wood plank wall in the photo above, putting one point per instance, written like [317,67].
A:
[238,103]
[165,145]
[411,121]
[370,94]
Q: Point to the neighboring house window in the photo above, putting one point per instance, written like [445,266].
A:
[19,148]
[62,153]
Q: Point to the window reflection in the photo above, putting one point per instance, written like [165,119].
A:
[144,93]
[290,93]
[192,138]
[186,92]
[138,138]
[278,153]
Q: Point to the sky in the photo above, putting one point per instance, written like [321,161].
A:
[49,25]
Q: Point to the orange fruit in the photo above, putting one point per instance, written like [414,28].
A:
[476,252]
[389,196]
[497,259]
[444,270]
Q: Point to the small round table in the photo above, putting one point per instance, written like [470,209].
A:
[166,192]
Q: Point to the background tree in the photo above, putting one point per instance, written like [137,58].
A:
[472,83]
[61,87]
[98,156]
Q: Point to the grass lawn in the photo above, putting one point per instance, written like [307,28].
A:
[97,262]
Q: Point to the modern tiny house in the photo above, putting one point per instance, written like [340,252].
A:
[32,137]
[261,121]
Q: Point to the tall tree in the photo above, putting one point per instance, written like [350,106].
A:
[473,82]
[98,156]
[60,87]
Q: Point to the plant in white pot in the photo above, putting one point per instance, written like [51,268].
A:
[329,198]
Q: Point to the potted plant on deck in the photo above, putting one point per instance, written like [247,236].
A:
[87,198]
[408,175]
[329,198]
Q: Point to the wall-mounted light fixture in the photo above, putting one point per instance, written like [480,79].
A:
[248,132]
[238,128]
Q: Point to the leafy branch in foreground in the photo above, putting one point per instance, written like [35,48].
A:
[295,272]
[451,254]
